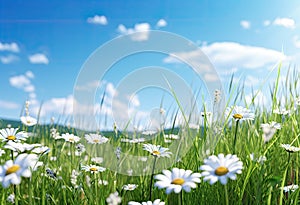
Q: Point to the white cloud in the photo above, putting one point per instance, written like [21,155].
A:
[8,105]
[89,86]
[161,23]
[296,41]
[230,54]
[8,59]
[97,20]
[23,82]
[11,47]
[267,23]
[140,32]
[245,24]
[29,74]
[61,106]
[29,88]
[19,81]
[38,58]
[285,22]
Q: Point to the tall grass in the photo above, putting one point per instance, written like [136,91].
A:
[259,183]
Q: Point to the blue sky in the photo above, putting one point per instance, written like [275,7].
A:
[43,44]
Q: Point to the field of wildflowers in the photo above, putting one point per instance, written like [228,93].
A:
[254,160]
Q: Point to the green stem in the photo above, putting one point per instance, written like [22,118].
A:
[151,180]
[235,134]
[181,197]
[226,195]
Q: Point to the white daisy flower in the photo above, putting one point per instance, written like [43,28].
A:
[177,180]
[11,198]
[269,130]
[95,139]
[292,188]
[12,171]
[259,160]
[290,148]
[92,168]
[171,136]
[130,187]
[155,202]
[281,111]
[28,120]
[10,134]
[103,182]
[70,138]
[219,168]
[239,113]
[157,150]
[114,199]
[97,160]
[133,141]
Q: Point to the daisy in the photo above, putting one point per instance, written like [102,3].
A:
[95,139]
[259,160]
[171,136]
[291,187]
[239,113]
[12,171]
[130,187]
[10,134]
[93,168]
[97,160]
[113,199]
[269,130]
[28,121]
[281,111]
[155,202]
[221,167]
[290,148]
[176,180]
[70,138]
[157,150]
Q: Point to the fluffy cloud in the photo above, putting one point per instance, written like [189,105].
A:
[285,22]
[8,59]
[161,23]
[260,99]
[38,58]
[23,82]
[140,32]
[231,54]
[60,106]
[11,47]
[97,20]
[245,24]
[8,105]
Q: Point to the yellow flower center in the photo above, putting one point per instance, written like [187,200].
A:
[237,116]
[71,139]
[14,168]
[220,171]
[28,121]
[178,181]
[11,137]
[156,152]
[96,140]
[93,169]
